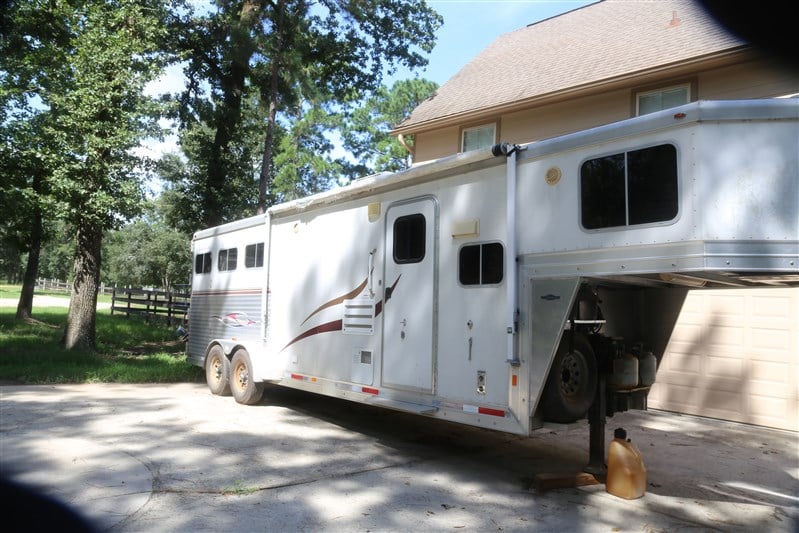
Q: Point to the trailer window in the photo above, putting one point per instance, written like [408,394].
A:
[227,259]
[254,255]
[636,187]
[409,238]
[202,263]
[481,264]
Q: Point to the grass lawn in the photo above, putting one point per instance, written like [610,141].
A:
[129,350]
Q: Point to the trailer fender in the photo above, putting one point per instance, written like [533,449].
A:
[551,301]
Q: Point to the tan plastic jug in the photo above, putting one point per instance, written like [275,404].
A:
[626,471]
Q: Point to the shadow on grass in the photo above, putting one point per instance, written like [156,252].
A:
[128,351]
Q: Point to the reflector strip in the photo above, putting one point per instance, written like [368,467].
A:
[492,412]
[369,390]
[483,410]
[300,377]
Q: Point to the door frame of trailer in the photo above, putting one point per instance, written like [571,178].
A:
[410,318]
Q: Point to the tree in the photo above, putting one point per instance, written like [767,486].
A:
[102,115]
[304,59]
[86,63]
[29,41]
[147,253]
[367,131]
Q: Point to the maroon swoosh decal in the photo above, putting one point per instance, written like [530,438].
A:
[379,306]
[323,328]
[335,301]
[336,325]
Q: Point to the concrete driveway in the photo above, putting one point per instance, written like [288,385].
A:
[176,458]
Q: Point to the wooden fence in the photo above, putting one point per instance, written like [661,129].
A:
[55,285]
[166,305]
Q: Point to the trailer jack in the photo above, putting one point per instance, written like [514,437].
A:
[596,436]
[596,471]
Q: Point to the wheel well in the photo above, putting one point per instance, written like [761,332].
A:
[228,348]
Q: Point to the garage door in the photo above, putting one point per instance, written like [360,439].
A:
[734,355]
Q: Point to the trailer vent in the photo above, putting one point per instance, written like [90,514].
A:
[359,316]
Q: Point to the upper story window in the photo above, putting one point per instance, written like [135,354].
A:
[478,137]
[481,264]
[409,238]
[635,187]
[254,255]
[659,99]
[202,263]
[227,259]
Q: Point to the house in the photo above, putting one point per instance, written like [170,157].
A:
[734,353]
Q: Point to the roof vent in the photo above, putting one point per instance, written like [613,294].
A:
[674,20]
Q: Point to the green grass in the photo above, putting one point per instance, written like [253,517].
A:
[129,350]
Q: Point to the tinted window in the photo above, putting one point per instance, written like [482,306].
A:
[409,238]
[254,255]
[202,263]
[636,187]
[227,259]
[481,264]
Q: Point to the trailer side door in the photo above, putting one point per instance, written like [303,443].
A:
[409,300]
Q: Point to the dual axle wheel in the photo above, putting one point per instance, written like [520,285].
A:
[232,376]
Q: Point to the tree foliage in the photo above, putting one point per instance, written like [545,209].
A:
[304,61]
[366,133]
[147,252]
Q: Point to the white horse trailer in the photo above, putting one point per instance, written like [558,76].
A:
[505,288]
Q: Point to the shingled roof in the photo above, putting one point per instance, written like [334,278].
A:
[597,43]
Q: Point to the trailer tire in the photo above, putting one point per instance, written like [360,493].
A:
[572,382]
[217,371]
[244,389]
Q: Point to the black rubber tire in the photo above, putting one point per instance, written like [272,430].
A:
[571,385]
[217,371]
[244,389]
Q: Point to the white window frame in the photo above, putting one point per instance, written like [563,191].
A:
[661,91]
[465,131]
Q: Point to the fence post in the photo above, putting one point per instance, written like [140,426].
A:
[113,299]
[169,308]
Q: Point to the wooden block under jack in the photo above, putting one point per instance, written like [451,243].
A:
[545,482]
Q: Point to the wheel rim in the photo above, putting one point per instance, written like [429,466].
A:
[572,374]
[242,376]
[216,369]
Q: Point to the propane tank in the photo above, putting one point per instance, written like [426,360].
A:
[625,370]
[647,368]
[626,472]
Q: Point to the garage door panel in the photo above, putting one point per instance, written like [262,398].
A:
[682,363]
[774,340]
[773,373]
[734,354]
[724,369]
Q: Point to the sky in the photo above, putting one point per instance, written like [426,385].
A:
[469,26]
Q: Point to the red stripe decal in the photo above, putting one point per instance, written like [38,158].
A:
[370,390]
[489,411]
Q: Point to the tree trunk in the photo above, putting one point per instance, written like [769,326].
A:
[265,196]
[233,86]
[80,332]
[25,305]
